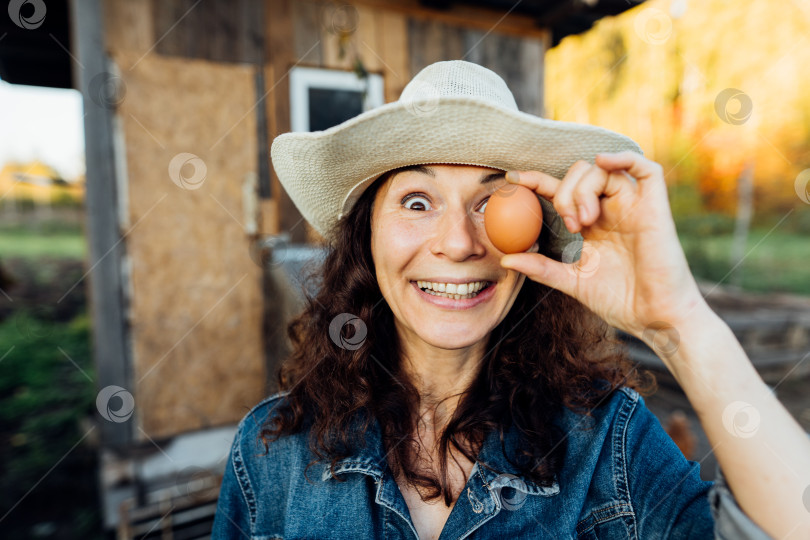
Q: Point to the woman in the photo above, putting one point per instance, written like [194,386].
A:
[434,391]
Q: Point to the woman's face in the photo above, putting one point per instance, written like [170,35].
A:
[427,225]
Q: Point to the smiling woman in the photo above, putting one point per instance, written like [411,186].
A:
[514,353]
[434,391]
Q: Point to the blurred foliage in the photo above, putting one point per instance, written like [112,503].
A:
[47,398]
[48,484]
[774,261]
[660,73]
[48,238]
[657,74]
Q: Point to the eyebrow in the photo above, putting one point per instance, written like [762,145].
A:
[485,178]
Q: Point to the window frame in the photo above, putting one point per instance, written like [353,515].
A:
[304,78]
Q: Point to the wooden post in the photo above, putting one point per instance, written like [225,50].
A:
[105,249]
[745,203]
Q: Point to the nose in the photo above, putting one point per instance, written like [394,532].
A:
[458,236]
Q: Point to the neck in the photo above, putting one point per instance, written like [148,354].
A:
[440,376]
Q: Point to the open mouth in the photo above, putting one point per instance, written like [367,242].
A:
[436,289]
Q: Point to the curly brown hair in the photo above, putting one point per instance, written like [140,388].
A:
[549,352]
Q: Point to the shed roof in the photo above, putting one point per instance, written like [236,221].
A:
[41,55]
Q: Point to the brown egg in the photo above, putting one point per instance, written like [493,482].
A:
[513,218]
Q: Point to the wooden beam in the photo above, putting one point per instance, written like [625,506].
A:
[279,52]
[468,16]
[111,354]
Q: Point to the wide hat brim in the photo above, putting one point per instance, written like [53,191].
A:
[325,172]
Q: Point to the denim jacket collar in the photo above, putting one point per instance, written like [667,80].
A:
[492,465]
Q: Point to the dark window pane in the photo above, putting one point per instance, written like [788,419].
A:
[329,108]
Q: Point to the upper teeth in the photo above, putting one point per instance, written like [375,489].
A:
[453,288]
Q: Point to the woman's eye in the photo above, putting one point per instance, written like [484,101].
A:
[484,206]
[419,202]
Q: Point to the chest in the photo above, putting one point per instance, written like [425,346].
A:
[429,517]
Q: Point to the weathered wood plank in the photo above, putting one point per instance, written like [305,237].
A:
[129,26]
[280,54]
[461,15]
[190,247]
[111,352]
[393,45]
[307,32]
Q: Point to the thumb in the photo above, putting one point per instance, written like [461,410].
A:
[543,270]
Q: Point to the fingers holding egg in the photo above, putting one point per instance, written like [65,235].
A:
[586,194]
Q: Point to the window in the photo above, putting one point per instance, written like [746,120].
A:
[322,98]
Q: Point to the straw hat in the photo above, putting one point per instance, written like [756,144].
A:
[450,112]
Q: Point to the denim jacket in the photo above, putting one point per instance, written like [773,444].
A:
[623,477]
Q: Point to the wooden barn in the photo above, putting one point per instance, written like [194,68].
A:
[193,244]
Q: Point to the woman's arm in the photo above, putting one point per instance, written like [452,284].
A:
[632,272]
[763,451]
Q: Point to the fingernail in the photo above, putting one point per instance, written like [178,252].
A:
[569,223]
[583,212]
[512,176]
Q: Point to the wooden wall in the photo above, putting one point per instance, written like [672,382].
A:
[211,78]
[395,38]
[195,291]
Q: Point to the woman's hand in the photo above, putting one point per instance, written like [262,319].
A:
[634,275]
[632,271]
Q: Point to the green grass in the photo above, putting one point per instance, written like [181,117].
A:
[54,241]
[773,262]
[43,397]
